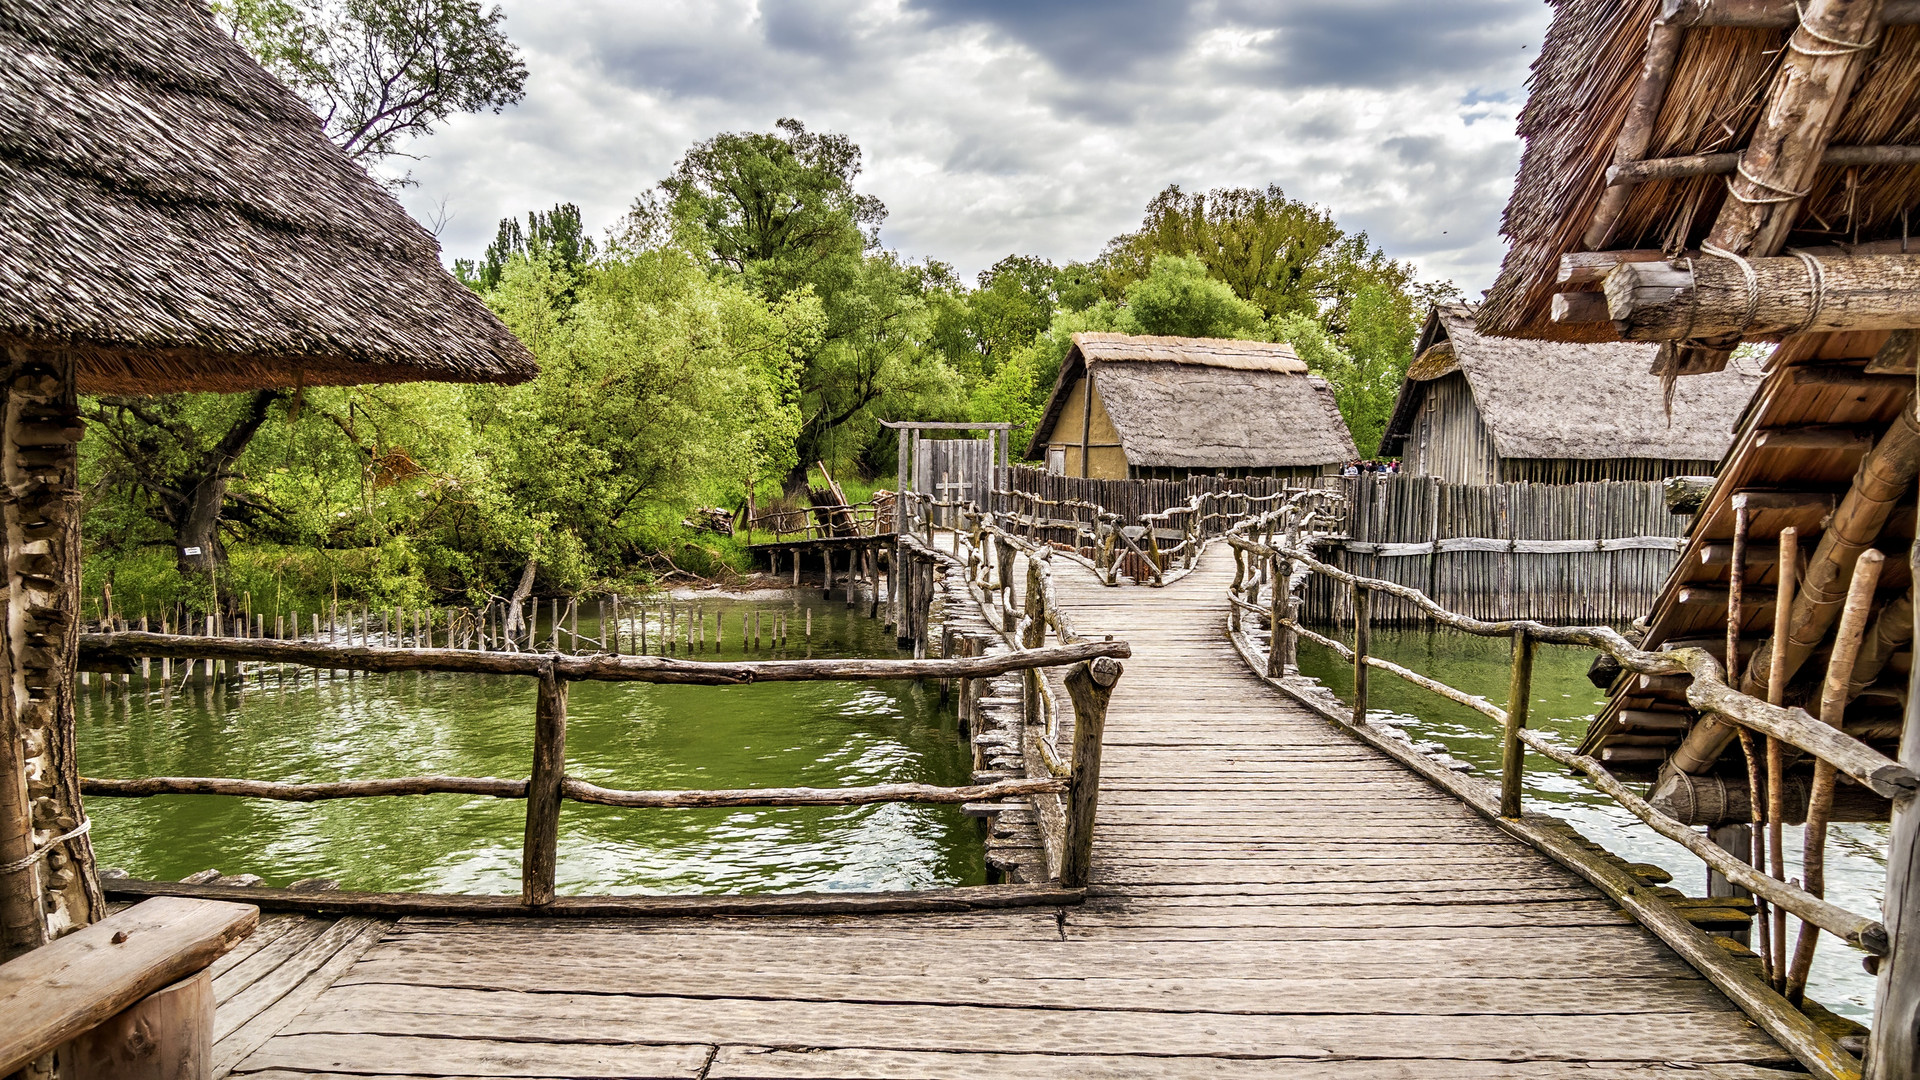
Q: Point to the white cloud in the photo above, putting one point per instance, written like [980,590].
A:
[1000,126]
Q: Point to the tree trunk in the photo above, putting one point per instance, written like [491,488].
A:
[203,493]
[39,642]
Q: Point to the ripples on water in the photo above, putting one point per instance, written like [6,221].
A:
[1563,702]
[626,735]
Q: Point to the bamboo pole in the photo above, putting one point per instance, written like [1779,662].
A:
[1789,565]
[1833,705]
[1749,743]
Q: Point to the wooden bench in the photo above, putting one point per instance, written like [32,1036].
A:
[129,997]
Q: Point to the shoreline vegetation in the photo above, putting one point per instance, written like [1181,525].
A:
[738,333]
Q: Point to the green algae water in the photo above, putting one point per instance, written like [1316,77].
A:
[273,726]
[1563,703]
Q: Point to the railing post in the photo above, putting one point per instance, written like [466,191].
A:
[543,792]
[1090,685]
[1276,611]
[1362,639]
[1512,753]
[1239,576]
[1893,1052]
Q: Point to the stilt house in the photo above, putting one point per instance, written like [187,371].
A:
[1698,175]
[1488,410]
[1165,408]
[171,218]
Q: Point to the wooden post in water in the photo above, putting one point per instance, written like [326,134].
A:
[1513,762]
[1362,640]
[543,792]
[1893,1053]
[1090,685]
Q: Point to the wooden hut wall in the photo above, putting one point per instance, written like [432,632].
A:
[1083,422]
[1578,471]
[1449,439]
[1612,586]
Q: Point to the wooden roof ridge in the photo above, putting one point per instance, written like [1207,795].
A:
[179,220]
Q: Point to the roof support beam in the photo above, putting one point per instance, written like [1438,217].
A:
[1822,62]
[1767,14]
[1674,168]
[1716,298]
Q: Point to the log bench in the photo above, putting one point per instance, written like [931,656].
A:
[129,997]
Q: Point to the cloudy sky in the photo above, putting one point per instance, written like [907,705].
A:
[1032,126]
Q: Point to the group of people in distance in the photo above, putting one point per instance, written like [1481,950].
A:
[1370,467]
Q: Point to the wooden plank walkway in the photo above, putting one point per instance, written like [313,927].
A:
[1271,899]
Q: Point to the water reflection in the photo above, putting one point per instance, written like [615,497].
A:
[275,726]
[1563,702]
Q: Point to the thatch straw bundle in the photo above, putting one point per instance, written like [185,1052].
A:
[178,217]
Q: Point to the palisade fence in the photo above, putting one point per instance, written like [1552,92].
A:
[1592,552]
[1589,552]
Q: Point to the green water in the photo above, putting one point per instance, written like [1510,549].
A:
[273,726]
[1563,703]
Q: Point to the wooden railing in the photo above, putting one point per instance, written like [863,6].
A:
[986,554]
[1158,543]
[871,518]
[1093,670]
[1274,556]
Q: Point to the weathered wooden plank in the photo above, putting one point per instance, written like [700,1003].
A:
[268,1005]
[768,1063]
[588,1018]
[361,1055]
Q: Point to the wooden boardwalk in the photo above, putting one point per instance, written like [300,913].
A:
[1271,898]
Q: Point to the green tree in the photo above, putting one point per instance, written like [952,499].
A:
[779,212]
[778,208]
[659,385]
[556,236]
[1268,248]
[382,72]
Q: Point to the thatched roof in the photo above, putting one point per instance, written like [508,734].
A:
[1549,399]
[1583,78]
[1205,402]
[177,216]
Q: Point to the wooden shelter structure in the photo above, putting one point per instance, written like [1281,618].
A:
[171,219]
[1166,408]
[1701,174]
[1476,409]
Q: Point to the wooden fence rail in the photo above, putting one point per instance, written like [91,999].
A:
[547,787]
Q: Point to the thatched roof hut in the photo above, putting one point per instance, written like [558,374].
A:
[171,219]
[1634,126]
[177,217]
[1476,409]
[1170,407]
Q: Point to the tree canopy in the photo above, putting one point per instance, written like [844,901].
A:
[382,72]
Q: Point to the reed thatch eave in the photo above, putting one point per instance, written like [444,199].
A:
[180,220]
